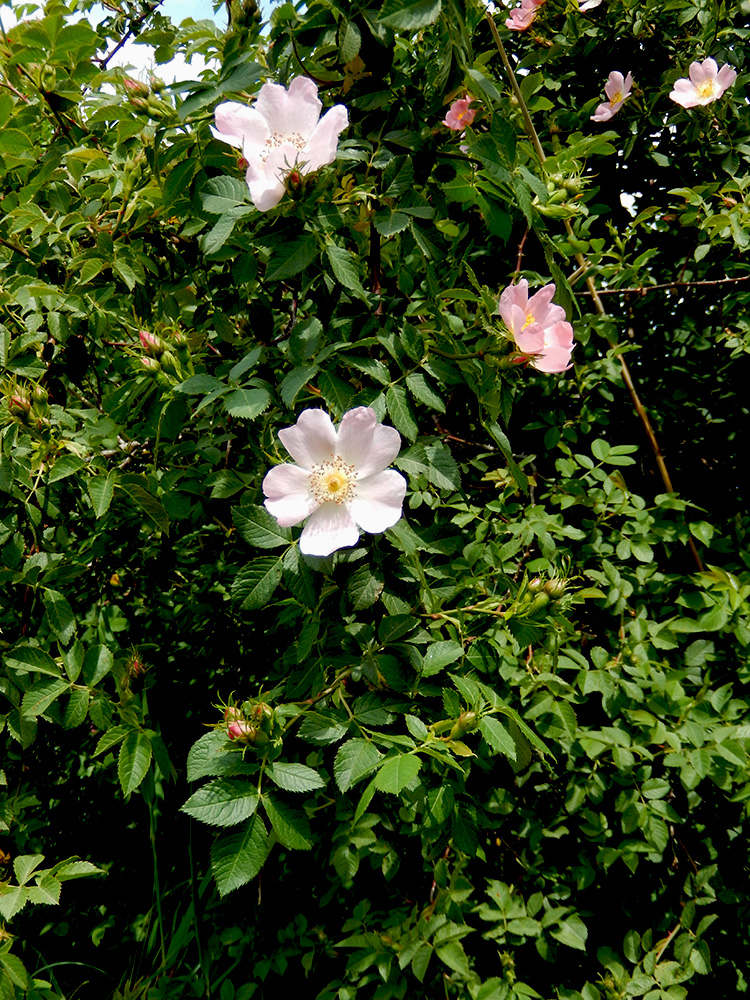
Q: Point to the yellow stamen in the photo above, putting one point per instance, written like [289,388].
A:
[617,96]
[705,89]
[333,481]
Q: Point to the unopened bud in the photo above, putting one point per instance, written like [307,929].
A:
[294,180]
[240,730]
[136,88]
[242,163]
[169,363]
[40,395]
[150,343]
[157,84]
[19,405]
[151,365]
[555,588]
[465,723]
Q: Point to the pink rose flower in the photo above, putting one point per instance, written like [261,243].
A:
[341,481]
[707,83]
[589,4]
[522,17]
[460,115]
[617,90]
[538,326]
[282,131]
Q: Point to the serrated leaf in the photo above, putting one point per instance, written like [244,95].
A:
[255,583]
[66,465]
[64,871]
[440,654]
[423,391]
[247,404]
[223,802]
[364,587]
[404,16]
[209,756]
[97,663]
[24,865]
[222,194]
[389,222]
[101,490]
[292,257]
[133,761]
[354,760]
[400,411]
[32,660]
[344,267]
[295,381]
[259,528]
[111,738]
[323,728]
[350,39]
[77,708]
[498,737]
[16,973]
[238,857]
[41,694]
[12,901]
[572,932]
[397,772]
[59,615]
[46,891]
[199,385]
[295,777]
[291,826]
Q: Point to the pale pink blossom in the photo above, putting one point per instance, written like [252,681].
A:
[707,83]
[538,326]
[589,4]
[521,17]
[460,115]
[617,90]
[281,131]
[341,481]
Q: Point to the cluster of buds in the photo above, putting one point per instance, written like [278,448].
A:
[28,406]
[171,356]
[145,100]
[250,723]
[538,597]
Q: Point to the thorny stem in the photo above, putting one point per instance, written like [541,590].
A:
[592,290]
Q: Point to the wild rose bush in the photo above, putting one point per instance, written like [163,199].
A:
[375,614]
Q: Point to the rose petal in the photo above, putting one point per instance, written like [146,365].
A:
[531,339]
[320,148]
[330,527]
[366,444]
[290,112]
[312,440]
[289,499]
[379,501]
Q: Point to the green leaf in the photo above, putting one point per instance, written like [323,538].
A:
[77,708]
[290,258]
[497,737]
[41,694]
[12,901]
[291,826]
[247,404]
[388,222]
[350,39]
[295,777]
[222,194]
[25,865]
[238,857]
[423,391]
[572,932]
[259,528]
[365,587]
[14,970]
[135,487]
[210,756]
[400,411]
[133,761]
[198,385]
[47,891]
[344,266]
[97,663]
[295,381]
[255,583]
[66,465]
[101,491]
[32,660]
[439,655]
[72,868]
[223,802]
[453,955]
[111,738]
[354,760]
[397,772]
[59,615]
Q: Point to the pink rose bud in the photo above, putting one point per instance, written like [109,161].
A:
[135,88]
[151,343]
[239,730]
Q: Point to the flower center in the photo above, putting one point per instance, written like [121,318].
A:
[617,96]
[333,480]
[277,139]
[705,89]
[528,321]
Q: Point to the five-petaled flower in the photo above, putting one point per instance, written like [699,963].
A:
[282,131]
[341,481]
[460,114]
[538,326]
[522,16]
[707,83]
[617,90]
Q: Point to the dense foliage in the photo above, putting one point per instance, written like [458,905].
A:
[500,750]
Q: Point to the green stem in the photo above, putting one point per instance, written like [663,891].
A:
[157,886]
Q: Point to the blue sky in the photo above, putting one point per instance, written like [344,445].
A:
[140,57]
